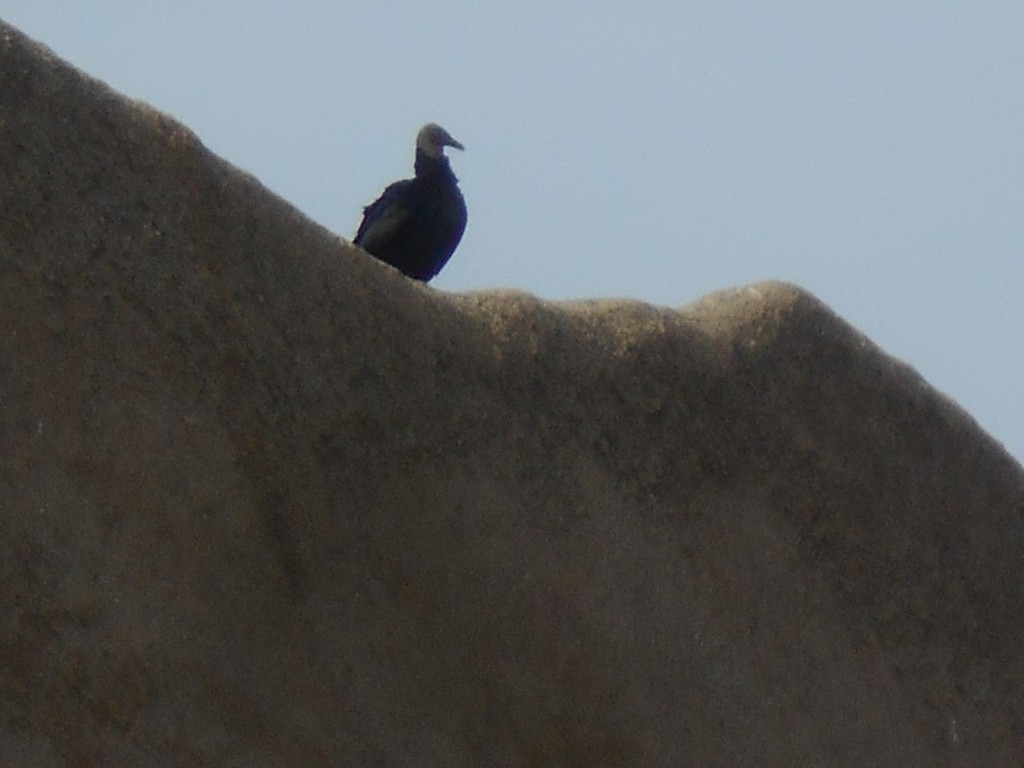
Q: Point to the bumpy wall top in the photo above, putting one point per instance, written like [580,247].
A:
[264,501]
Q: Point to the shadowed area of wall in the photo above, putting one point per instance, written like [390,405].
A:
[265,502]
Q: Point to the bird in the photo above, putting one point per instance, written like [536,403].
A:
[416,224]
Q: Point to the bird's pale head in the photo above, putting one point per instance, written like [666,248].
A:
[432,139]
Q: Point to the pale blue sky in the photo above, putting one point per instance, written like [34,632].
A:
[872,152]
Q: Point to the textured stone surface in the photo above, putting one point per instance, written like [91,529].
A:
[265,502]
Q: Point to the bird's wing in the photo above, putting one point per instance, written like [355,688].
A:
[384,216]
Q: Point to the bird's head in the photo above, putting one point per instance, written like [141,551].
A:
[432,139]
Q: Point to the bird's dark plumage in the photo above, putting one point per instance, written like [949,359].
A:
[416,224]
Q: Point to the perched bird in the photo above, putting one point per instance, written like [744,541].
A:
[416,223]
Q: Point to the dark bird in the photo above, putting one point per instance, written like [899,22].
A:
[416,223]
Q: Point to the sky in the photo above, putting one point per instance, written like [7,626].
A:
[870,152]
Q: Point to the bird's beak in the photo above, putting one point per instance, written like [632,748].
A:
[450,142]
